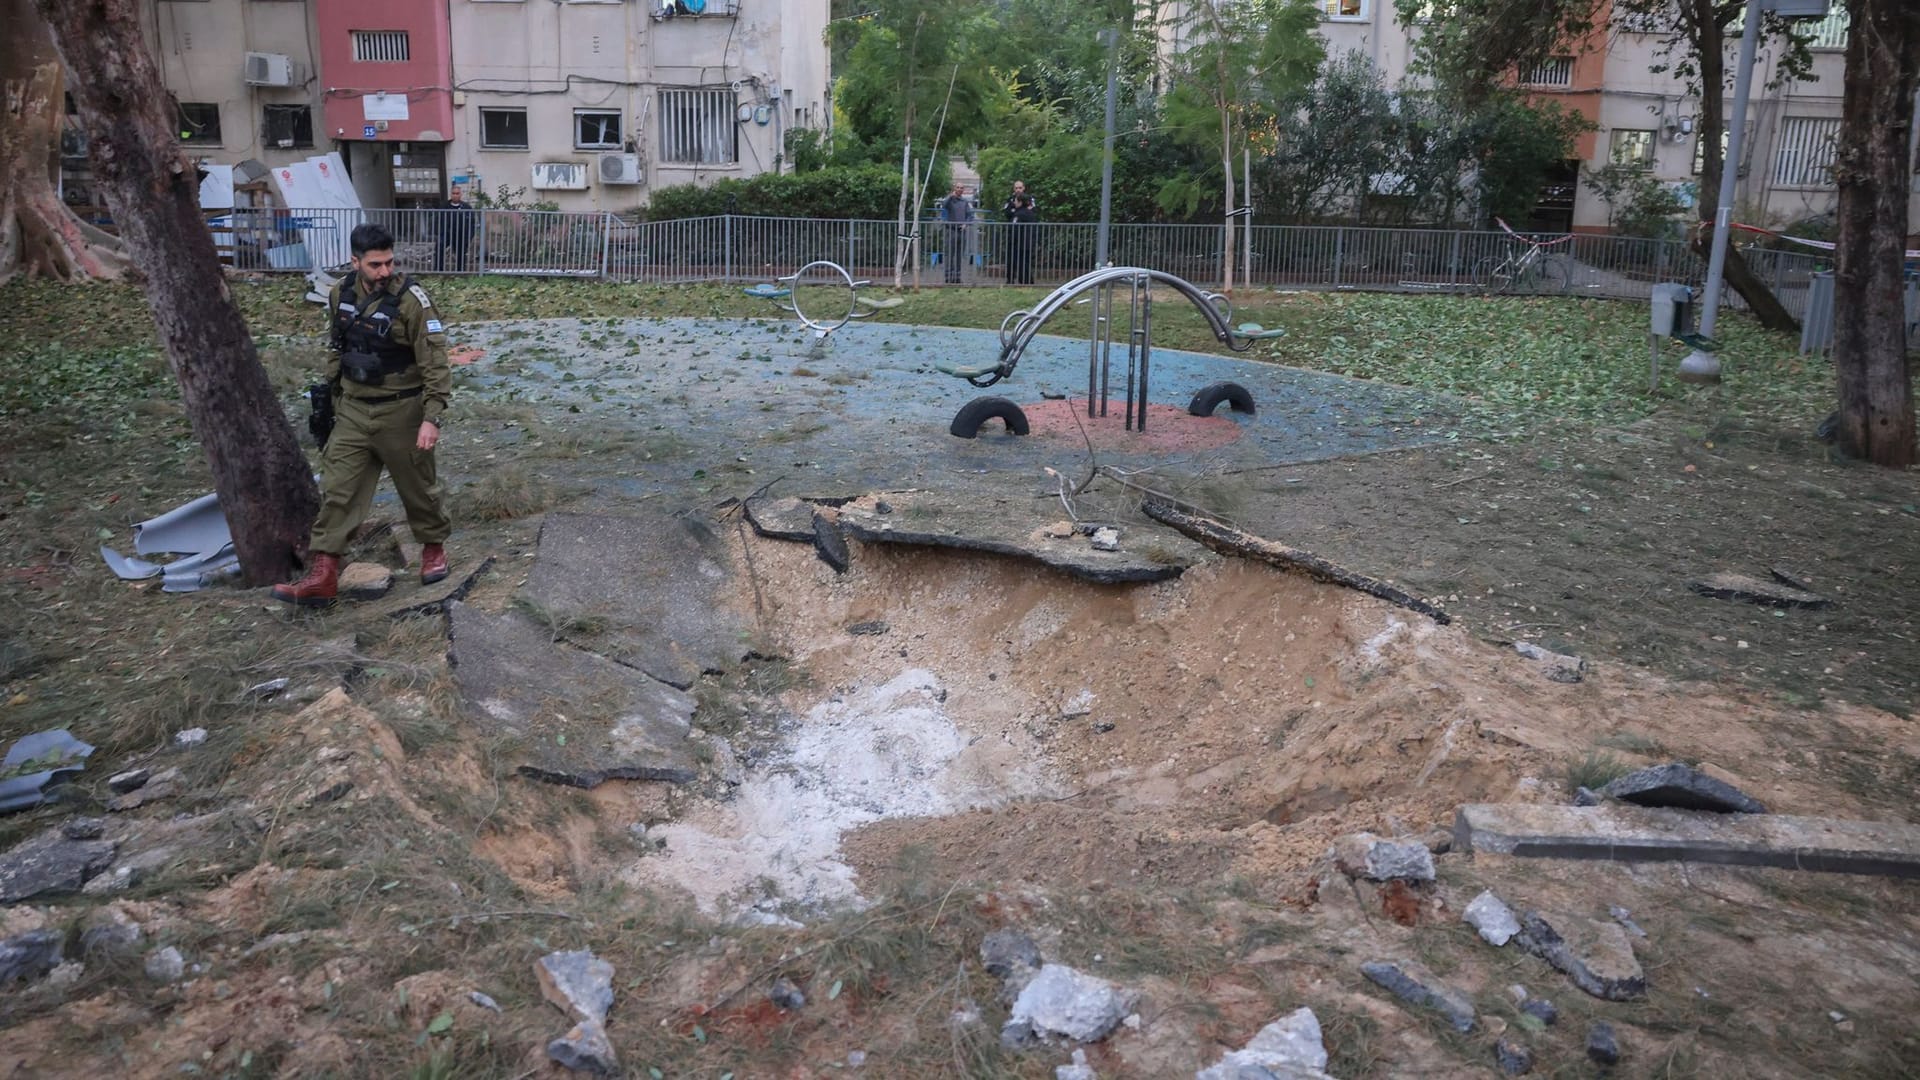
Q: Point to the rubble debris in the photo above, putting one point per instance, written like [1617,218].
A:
[190,737]
[1586,796]
[585,1048]
[1005,952]
[1013,527]
[1077,1070]
[485,1001]
[578,982]
[787,995]
[1681,787]
[1106,538]
[122,782]
[166,965]
[1494,920]
[1559,667]
[50,864]
[1625,919]
[30,956]
[1602,1047]
[781,519]
[197,531]
[1419,987]
[1061,1001]
[110,930]
[1290,1047]
[830,544]
[1366,855]
[1228,540]
[872,628]
[365,581]
[1754,591]
[160,786]
[1513,1057]
[36,762]
[263,691]
[1541,1009]
[1597,956]
[1616,831]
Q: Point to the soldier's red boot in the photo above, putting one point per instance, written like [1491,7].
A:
[433,563]
[318,588]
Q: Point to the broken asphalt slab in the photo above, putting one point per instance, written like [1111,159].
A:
[59,860]
[1020,527]
[1752,590]
[781,519]
[653,584]
[1420,988]
[1616,832]
[1681,787]
[1597,956]
[582,719]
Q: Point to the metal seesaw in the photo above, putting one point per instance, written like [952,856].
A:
[789,299]
[1017,330]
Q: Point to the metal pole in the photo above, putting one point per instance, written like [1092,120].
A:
[1246,193]
[1700,366]
[1101,250]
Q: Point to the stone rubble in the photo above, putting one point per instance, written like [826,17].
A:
[581,985]
[30,956]
[1290,1048]
[1065,1003]
[1419,987]
[1513,1057]
[166,965]
[1366,855]
[1490,915]
[54,862]
[1602,1047]
[1597,956]
[1682,787]
[1078,1070]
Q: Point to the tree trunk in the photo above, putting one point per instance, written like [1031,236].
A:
[39,236]
[1710,47]
[1873,174]
[265,485]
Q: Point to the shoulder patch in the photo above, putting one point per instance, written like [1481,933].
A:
[420,294]
[434,327]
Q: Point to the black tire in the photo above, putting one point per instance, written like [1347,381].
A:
[1209,398]
[967,422]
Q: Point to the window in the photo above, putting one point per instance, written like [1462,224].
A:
[1557,71]
[199,121]
[1645,21]
[287,126]
[381,47]
[1632,146]
[503,129]
[1827,33]
[1343,9]
[1804,157]
[697,127]
[596,129]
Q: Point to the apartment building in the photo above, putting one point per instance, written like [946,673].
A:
[589,104]
[1643,115]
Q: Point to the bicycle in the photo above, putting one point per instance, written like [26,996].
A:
[1525,266]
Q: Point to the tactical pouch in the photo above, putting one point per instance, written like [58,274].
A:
[320,422]
[362,367]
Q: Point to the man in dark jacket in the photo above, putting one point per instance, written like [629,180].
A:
[1023,215]
[455,223]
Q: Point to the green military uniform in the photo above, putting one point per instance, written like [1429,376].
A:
[377,425]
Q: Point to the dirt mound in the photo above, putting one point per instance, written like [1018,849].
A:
[1230,722]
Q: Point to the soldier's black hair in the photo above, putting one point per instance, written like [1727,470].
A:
[370,237]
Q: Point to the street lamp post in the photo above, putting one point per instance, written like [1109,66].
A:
[1702,366]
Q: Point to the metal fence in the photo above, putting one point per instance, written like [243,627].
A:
[749,249]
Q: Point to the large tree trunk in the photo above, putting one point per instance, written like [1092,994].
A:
[39,236]
[1710,41]
[1873,173]
[265,485]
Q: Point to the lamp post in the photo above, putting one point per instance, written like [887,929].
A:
[1701,366]
[1111,38]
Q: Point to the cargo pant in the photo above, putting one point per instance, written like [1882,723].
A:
[365,439]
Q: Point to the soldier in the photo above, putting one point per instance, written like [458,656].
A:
[391,381]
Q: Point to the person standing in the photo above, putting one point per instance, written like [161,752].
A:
[1023,216]
[455,222]
[391,383]
[956,214]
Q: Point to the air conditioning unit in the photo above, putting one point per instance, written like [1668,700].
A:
[620,169]
[269,69]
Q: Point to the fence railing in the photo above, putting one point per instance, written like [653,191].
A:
[748,249]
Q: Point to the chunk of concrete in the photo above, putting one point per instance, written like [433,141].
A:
[587,1049]
[1513,1057]
[1366,855]
[781,519]
[51,864]
[831,544]
[581,719]
[1014,527]
[1078,1069]
[1064,1002]
[28,957]
[578,982]
[653,588]
[1559,667]
[166,965]
[1597,956]
[1005,951]
[1681,787]
[1752,590]
[1419,987]
[1602,1047]
[365,581]
[163,784]
[1290,1048]
[1622,833]
[1494,920]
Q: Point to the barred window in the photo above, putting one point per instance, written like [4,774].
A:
[697,127]
[1804,156]
[1557,71]
[381,46]
[1633,146]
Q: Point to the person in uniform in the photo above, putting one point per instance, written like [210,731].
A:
[391,383]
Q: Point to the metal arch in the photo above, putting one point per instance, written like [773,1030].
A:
[1214,307]
[822,329]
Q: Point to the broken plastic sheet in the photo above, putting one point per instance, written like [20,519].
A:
[197,531]
[56,753]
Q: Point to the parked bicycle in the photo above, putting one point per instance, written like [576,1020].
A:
[1525,266]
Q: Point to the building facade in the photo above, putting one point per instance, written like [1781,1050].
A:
[585,104]
[1643,114]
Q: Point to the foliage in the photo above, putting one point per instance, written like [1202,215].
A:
[1242,62]
[508,197]
[1637,204]
[916,70]
[836,191]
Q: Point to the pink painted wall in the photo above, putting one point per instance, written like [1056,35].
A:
[425,78]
